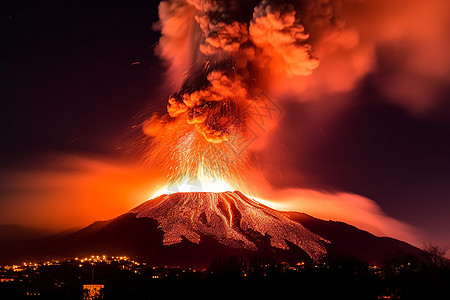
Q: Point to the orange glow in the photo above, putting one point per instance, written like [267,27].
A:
[75,192]
[349,208]
[199,184]
[179,151]
[412,34]
[89,190]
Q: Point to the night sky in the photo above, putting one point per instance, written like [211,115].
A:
[76,74]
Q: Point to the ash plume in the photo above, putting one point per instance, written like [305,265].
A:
[222,53]
[233,49]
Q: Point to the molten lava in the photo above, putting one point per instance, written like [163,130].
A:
[231,218]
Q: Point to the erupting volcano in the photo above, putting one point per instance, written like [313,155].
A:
[227,54]
[230,54]
[225,61]
[196,228]
[296,148]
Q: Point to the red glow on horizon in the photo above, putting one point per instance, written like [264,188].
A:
[92,190]
[87,190]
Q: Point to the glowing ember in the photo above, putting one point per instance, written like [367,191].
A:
[179,152]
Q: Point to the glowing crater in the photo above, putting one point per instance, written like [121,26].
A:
[199,184]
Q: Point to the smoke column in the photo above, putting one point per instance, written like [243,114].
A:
[222,54]
[232,50]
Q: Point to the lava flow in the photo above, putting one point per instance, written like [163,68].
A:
[231,218]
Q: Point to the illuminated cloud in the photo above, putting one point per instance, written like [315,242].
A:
[73,191]
[281,40]
[353,209]
[233,50]
[400,46]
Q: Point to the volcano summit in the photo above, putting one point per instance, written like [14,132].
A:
[231,218]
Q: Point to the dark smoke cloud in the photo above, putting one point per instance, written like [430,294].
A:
[280,39]
[222,54]
[401,44]
[230,58]
[404,43]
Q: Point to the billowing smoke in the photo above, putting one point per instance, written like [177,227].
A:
[280,40]
[232,50]
[221,54]
[399,47]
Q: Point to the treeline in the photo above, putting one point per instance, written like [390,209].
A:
[400,276]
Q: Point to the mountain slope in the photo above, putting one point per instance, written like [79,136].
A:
[349,241]
[14,233]
[132,236]
[195,228]
[231,218]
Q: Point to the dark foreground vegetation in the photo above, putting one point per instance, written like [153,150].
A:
[401,276]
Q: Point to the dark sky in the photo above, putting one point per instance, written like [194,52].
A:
[68,85]
[67,79]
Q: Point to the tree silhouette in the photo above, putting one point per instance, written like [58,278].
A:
[435,256]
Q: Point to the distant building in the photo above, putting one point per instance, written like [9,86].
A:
[33,293]
[93,291]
